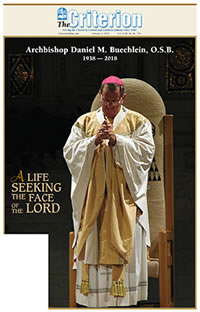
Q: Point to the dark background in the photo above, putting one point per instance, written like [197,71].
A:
[46,93]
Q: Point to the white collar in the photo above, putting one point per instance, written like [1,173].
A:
[118,118]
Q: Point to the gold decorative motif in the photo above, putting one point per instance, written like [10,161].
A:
[84,287]
[20,75]
[154,174]
[180,69]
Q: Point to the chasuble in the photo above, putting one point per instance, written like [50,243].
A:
[110,213]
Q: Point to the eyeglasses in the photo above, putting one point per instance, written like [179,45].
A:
[114,102]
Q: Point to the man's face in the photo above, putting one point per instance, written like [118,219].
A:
[111,101]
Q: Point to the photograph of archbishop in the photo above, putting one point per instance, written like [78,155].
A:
[118,135]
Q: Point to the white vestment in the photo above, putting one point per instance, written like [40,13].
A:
[133,152]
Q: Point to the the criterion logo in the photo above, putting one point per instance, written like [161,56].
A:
[62,18]
[62,14]
[93,20]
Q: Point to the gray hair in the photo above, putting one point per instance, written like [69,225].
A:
[113,86]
